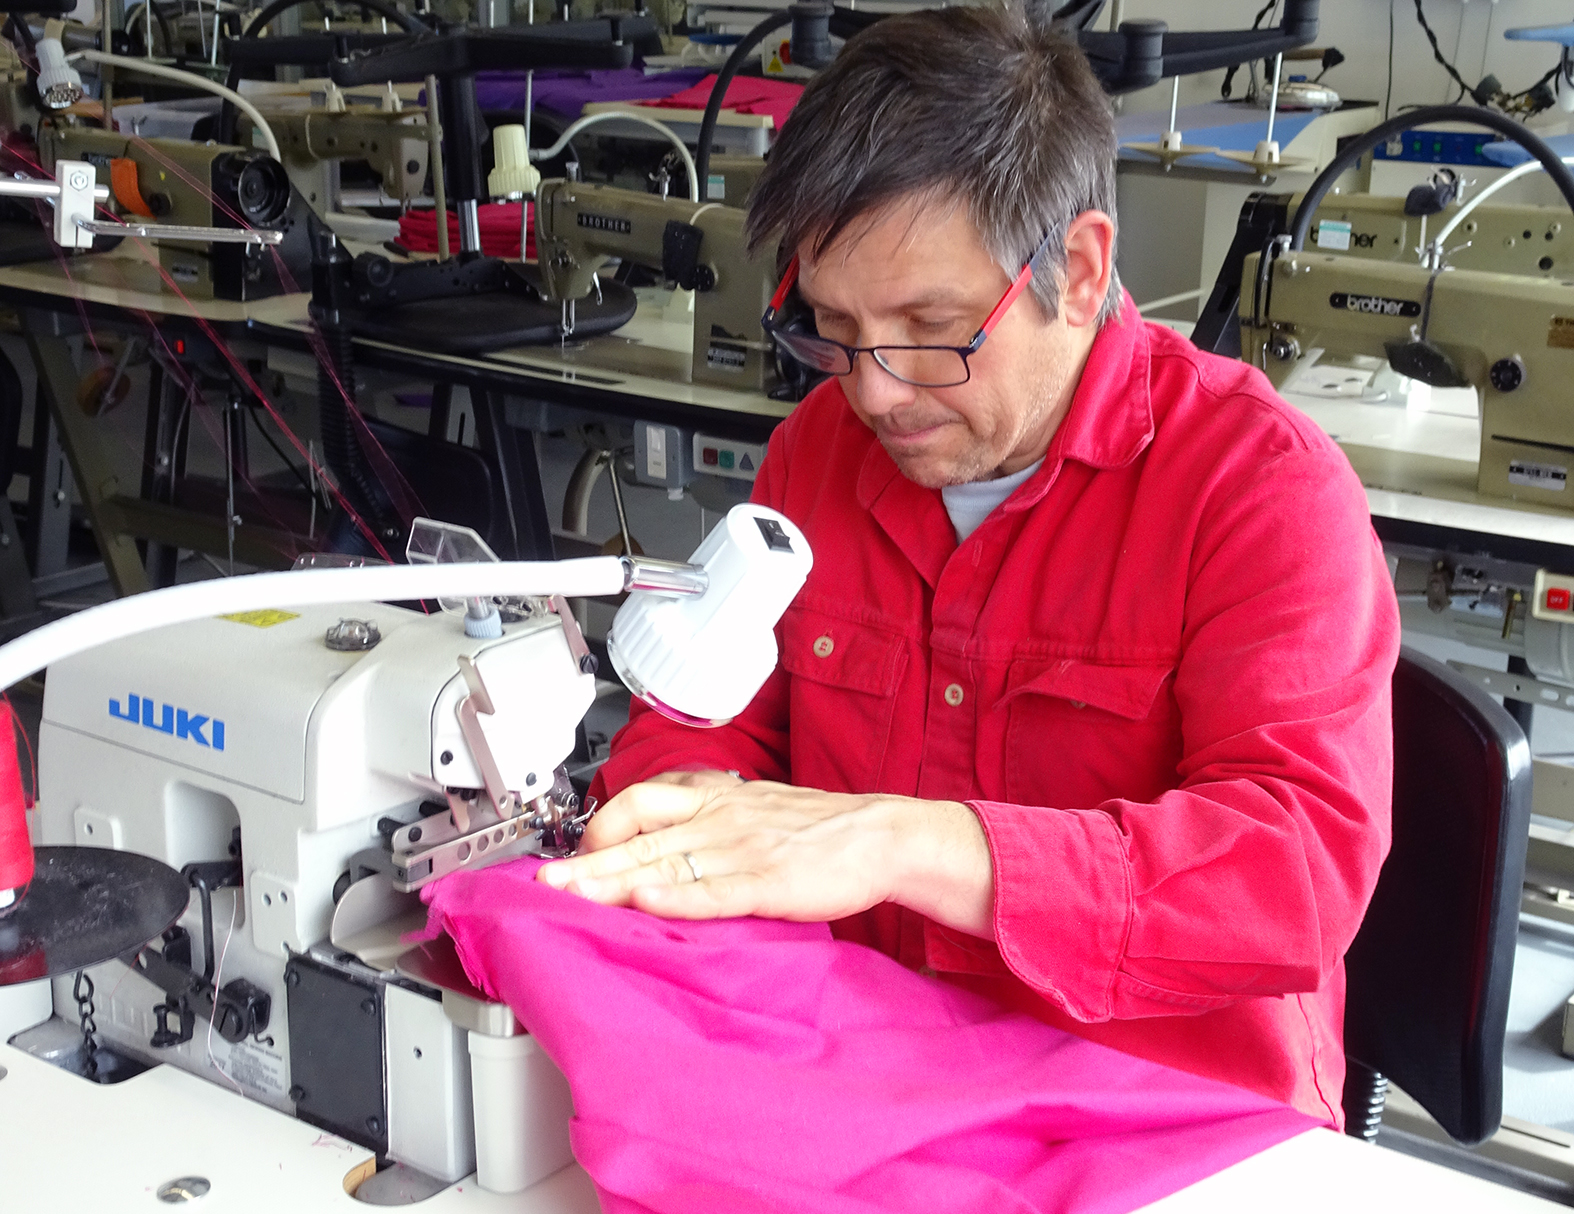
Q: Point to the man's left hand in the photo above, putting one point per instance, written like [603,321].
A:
[701,846]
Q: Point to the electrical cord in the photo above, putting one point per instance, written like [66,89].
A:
[194,81]
[718,94]
[1508,178]
[1388,93]
[146,7]
[1228,86]
[576,127]
[1352,152]
[1437,51]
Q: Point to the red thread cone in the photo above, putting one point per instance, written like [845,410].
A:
[16,852]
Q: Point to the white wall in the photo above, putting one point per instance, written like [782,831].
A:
[1359,28]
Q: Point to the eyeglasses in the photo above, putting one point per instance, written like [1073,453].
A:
[921,366]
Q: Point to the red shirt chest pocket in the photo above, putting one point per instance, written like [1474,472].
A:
[1078,733]
[845,676]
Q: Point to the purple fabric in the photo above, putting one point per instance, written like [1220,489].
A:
[567,91]
[748,1066]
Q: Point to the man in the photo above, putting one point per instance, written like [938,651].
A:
[1085,703]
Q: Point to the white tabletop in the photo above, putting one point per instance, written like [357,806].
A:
[71,1145]
[1418,460]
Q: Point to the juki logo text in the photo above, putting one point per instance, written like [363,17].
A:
[166,718]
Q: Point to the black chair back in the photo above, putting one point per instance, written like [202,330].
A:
[1430,970]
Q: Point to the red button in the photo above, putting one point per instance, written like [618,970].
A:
[708,455]
[1557,599]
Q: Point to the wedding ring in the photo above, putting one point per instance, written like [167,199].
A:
[688,858]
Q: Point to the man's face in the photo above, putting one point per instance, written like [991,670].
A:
[919,274]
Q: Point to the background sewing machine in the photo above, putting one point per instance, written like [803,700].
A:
[699,247]
[199,185]
[1489,340]
[1507,334]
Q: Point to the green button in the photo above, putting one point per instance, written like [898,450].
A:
[726,459]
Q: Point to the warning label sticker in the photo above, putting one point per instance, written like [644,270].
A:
[249,1064]
[265,618]
[1333,234]
[1552,477]
[725,358]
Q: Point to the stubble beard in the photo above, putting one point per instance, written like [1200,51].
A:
[982,457]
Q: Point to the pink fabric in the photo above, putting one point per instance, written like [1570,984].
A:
[745,95]
[746,1065]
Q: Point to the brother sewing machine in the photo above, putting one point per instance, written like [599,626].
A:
[393,143]
[1495,314]
[307,769]
[1508,331]
[697,246]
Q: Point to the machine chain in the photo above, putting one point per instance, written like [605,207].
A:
[82,992]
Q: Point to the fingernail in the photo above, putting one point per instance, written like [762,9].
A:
[555,875]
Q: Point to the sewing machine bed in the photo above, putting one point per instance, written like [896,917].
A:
[476,324]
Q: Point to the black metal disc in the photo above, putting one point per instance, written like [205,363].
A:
[495,320]
[87,905]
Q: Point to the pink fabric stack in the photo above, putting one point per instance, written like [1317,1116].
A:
[745,95]
[751,1066]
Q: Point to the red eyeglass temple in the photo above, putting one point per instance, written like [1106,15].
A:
[790,277]
[1006,300]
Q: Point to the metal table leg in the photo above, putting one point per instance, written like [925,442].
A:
[530,527]
[96,481]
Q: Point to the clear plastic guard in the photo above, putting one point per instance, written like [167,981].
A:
[437,543]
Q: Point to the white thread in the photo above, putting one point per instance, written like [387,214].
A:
[217,975]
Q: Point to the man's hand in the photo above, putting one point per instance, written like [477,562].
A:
[706,845]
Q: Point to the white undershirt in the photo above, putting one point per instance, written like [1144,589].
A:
[970,504]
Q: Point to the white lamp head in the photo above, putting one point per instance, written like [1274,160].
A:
[700,659]
[59,86]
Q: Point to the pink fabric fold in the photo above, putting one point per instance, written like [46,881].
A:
[748,1065]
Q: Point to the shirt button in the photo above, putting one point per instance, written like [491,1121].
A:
[823,647]
[953,694]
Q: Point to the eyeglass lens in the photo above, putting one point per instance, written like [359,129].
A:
[923,366]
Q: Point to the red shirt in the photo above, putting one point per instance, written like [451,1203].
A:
[1159,674]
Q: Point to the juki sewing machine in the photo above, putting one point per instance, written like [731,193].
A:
[698,246]
[307,769]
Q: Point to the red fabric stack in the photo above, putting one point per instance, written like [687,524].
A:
[499,230]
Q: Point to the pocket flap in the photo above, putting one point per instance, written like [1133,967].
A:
[841,653]
[1126,691]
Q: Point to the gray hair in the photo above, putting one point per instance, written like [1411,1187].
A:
[976,106]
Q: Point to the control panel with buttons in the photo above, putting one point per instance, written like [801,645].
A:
[1554,597]
[727,457]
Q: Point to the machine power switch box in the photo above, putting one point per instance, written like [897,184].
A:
[727,457]
[663,455]
[1554,597]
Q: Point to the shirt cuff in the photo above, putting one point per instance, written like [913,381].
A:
[1063,901]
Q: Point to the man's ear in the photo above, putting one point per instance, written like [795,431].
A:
[1090,260]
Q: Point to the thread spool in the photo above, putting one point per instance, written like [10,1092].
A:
[16,850]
